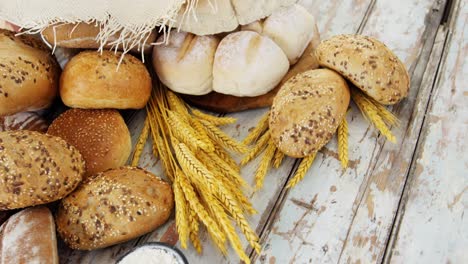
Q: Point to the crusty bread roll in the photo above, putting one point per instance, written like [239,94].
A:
[292,28]
[307,111]
[29,72]
[29,237]
[185,64]
[101,136]
[248,64]
[248,11]
[92,80]
[207,17]
[368,64]
[36,169]
[23,121]
[113,207]
[83,36]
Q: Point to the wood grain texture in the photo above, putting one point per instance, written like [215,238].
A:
[432,227]
[336,216]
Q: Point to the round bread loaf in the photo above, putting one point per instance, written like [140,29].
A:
[23,121]
[84,36]
[292,28]
[307,111]
[185,63]
[114,207]
[248,64]
[29,237]
[101,136]
[28,74]
[368,64]
[94,80]
[36,169]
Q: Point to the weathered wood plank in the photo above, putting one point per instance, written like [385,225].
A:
[316,220]
[432,226]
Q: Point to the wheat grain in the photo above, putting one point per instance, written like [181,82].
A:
[278,158]
[215,120]
[222,138]
[262,169]
[343,143]
[301,171]
[261,127]
[257,149]
[140,143]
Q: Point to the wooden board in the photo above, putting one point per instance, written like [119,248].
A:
[431,227]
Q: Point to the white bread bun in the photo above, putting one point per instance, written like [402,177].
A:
[113,207]
[248,64]
[29,237]
[92,80]
[249,11]
[101,136]
[185,64]
[292,28]
[28,74]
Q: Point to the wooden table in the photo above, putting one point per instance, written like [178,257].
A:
[397,203]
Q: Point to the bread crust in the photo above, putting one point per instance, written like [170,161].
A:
[307,111]
[368,64]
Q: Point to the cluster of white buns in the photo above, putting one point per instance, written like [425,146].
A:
[247,62]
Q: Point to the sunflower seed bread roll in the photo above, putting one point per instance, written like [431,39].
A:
[36,168]
[368,64]
[29,237]
[113,207]
[307,111]
[29,74]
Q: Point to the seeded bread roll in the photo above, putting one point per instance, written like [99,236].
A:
[248,64]
[92,80]
[101,136]
[114,207]
[185,64]
[83,36]
[36,169]
[23,121]
[29,237]
[28,74]
[368,64]
[307,111]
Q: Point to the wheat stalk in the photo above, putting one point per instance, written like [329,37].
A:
[181,212]
[343,143]
[278,158]
[301,170]
[261,127]
[257,149]
[371,113]
[215,120]
[140,143]
[222,138]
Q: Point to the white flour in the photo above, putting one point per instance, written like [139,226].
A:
[151,255]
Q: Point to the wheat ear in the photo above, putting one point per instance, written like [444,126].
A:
[261,127]
[343,143]
[262,169]
[194,228]
[222,138]
[181,212]
[176,104]
[225,169]
[140,143]
[257,149]
[215,120]
[185,133]
[219,150]
[278,158]
[386,115]
[370,113]
[301,170]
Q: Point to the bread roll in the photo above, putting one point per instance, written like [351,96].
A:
[84,36]
[114,207]
[185,64]
[23,121]
[207,17]
[28,74]
[92,80]
[36,169]
[368,64]
[29,237]
[248,11]
[101,136]
[248,64]
[292,28]
[307,111]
